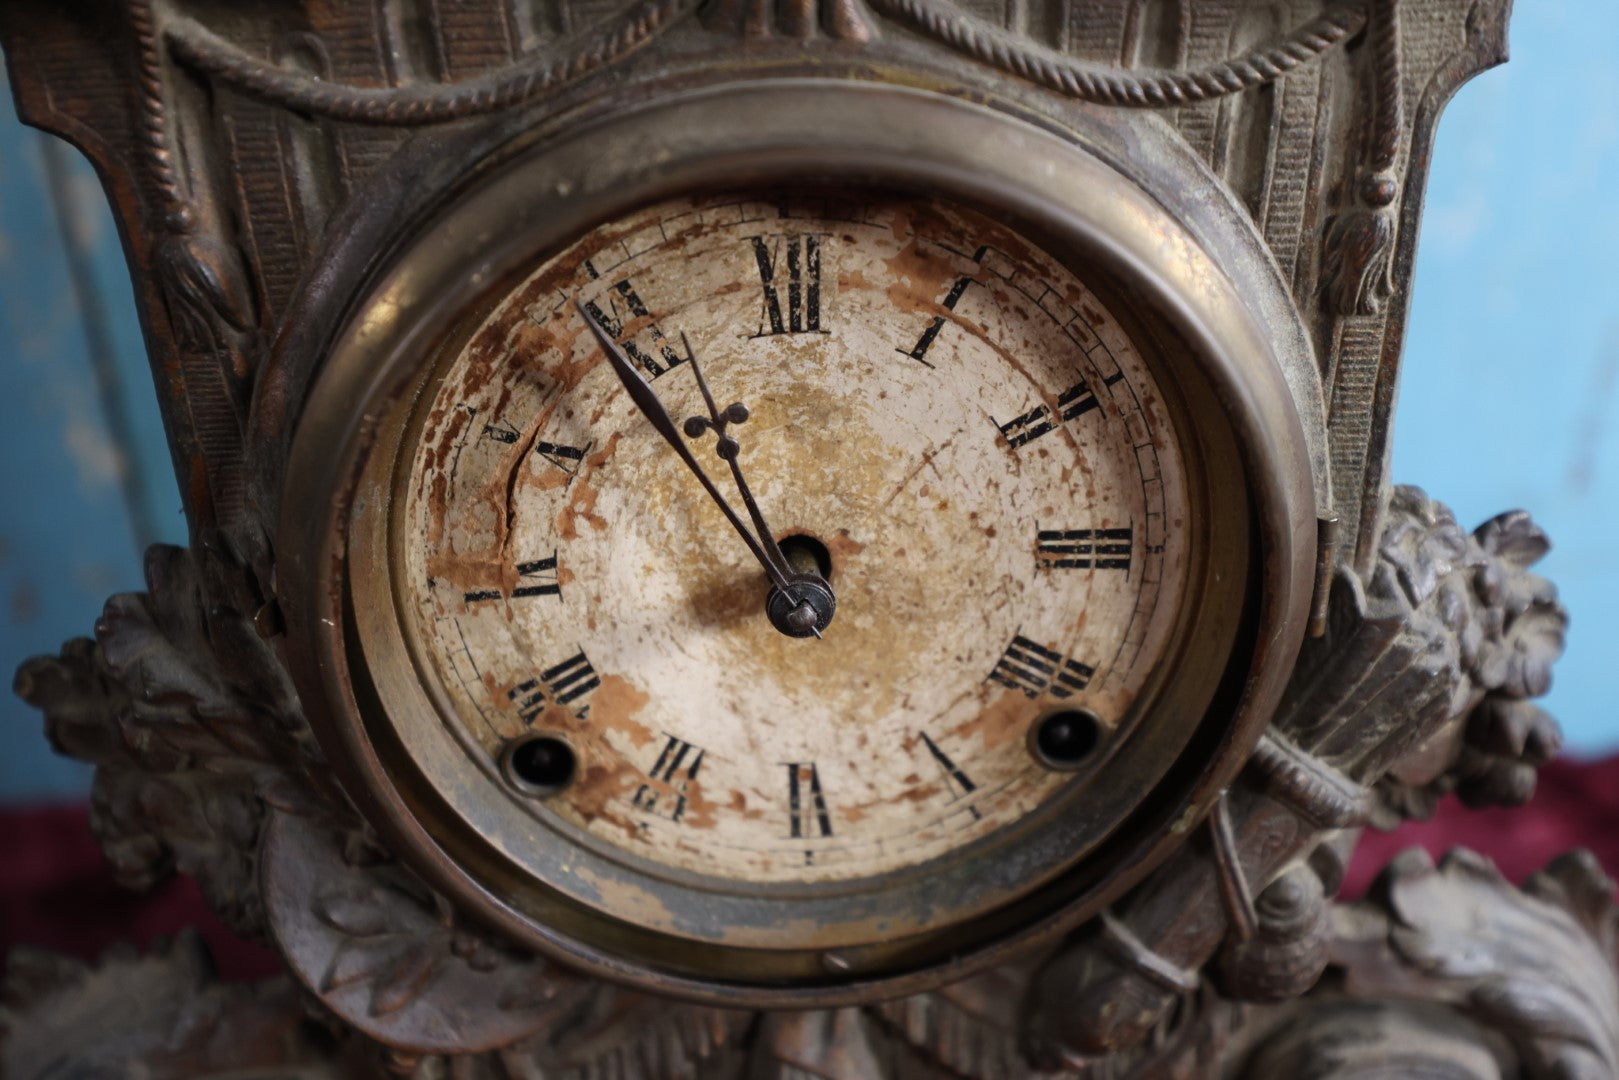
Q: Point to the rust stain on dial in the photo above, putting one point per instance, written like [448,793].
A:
[948,410]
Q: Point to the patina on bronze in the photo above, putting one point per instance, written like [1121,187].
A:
[321,204]
[1250,461]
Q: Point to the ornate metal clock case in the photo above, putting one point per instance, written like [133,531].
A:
[1057,341]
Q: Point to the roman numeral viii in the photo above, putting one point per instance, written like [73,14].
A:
[536,578]
[624,306]
[1033,669]
[1083,549]
[1077,400]
[789,262]
[563,683]
[806,804]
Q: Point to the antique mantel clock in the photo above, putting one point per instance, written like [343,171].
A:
[841,538]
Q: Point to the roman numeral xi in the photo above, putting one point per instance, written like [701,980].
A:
[614,317]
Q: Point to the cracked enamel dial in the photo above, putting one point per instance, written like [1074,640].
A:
[943,419]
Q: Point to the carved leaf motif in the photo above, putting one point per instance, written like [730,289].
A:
[192,269]
[353,915]
[385,953]
[1525,962]
[969,1027]
[413,970]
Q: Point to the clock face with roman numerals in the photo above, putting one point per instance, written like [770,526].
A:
[944,420]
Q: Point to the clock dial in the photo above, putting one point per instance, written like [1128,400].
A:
[942,419]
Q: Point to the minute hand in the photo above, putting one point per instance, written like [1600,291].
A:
[647,401]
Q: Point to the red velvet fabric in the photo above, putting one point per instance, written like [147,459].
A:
[56,890]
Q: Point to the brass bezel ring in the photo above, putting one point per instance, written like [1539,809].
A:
[1145,222]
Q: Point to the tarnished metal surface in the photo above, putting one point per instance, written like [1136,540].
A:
[318,200]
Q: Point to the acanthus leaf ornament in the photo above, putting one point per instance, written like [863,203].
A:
[209,763]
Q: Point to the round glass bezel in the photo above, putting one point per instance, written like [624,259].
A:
[907,928]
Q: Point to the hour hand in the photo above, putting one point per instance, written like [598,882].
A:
[798,604]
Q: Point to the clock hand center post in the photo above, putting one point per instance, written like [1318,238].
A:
[798,604]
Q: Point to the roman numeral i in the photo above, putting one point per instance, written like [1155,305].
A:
[919,351]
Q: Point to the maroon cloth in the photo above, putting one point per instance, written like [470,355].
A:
[1576,805]
[56,890]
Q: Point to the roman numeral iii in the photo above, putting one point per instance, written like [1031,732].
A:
[1083,549]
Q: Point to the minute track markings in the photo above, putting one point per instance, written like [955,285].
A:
[876,811]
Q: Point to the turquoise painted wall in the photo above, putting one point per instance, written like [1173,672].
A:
[1510,395]
[85,481]
[1510,391]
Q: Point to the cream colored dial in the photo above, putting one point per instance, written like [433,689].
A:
[939,409]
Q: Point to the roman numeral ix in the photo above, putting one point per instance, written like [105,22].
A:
[566,458]
[790,261]
[1083,549]
[1033,669]
[536,578]
[1076,401]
